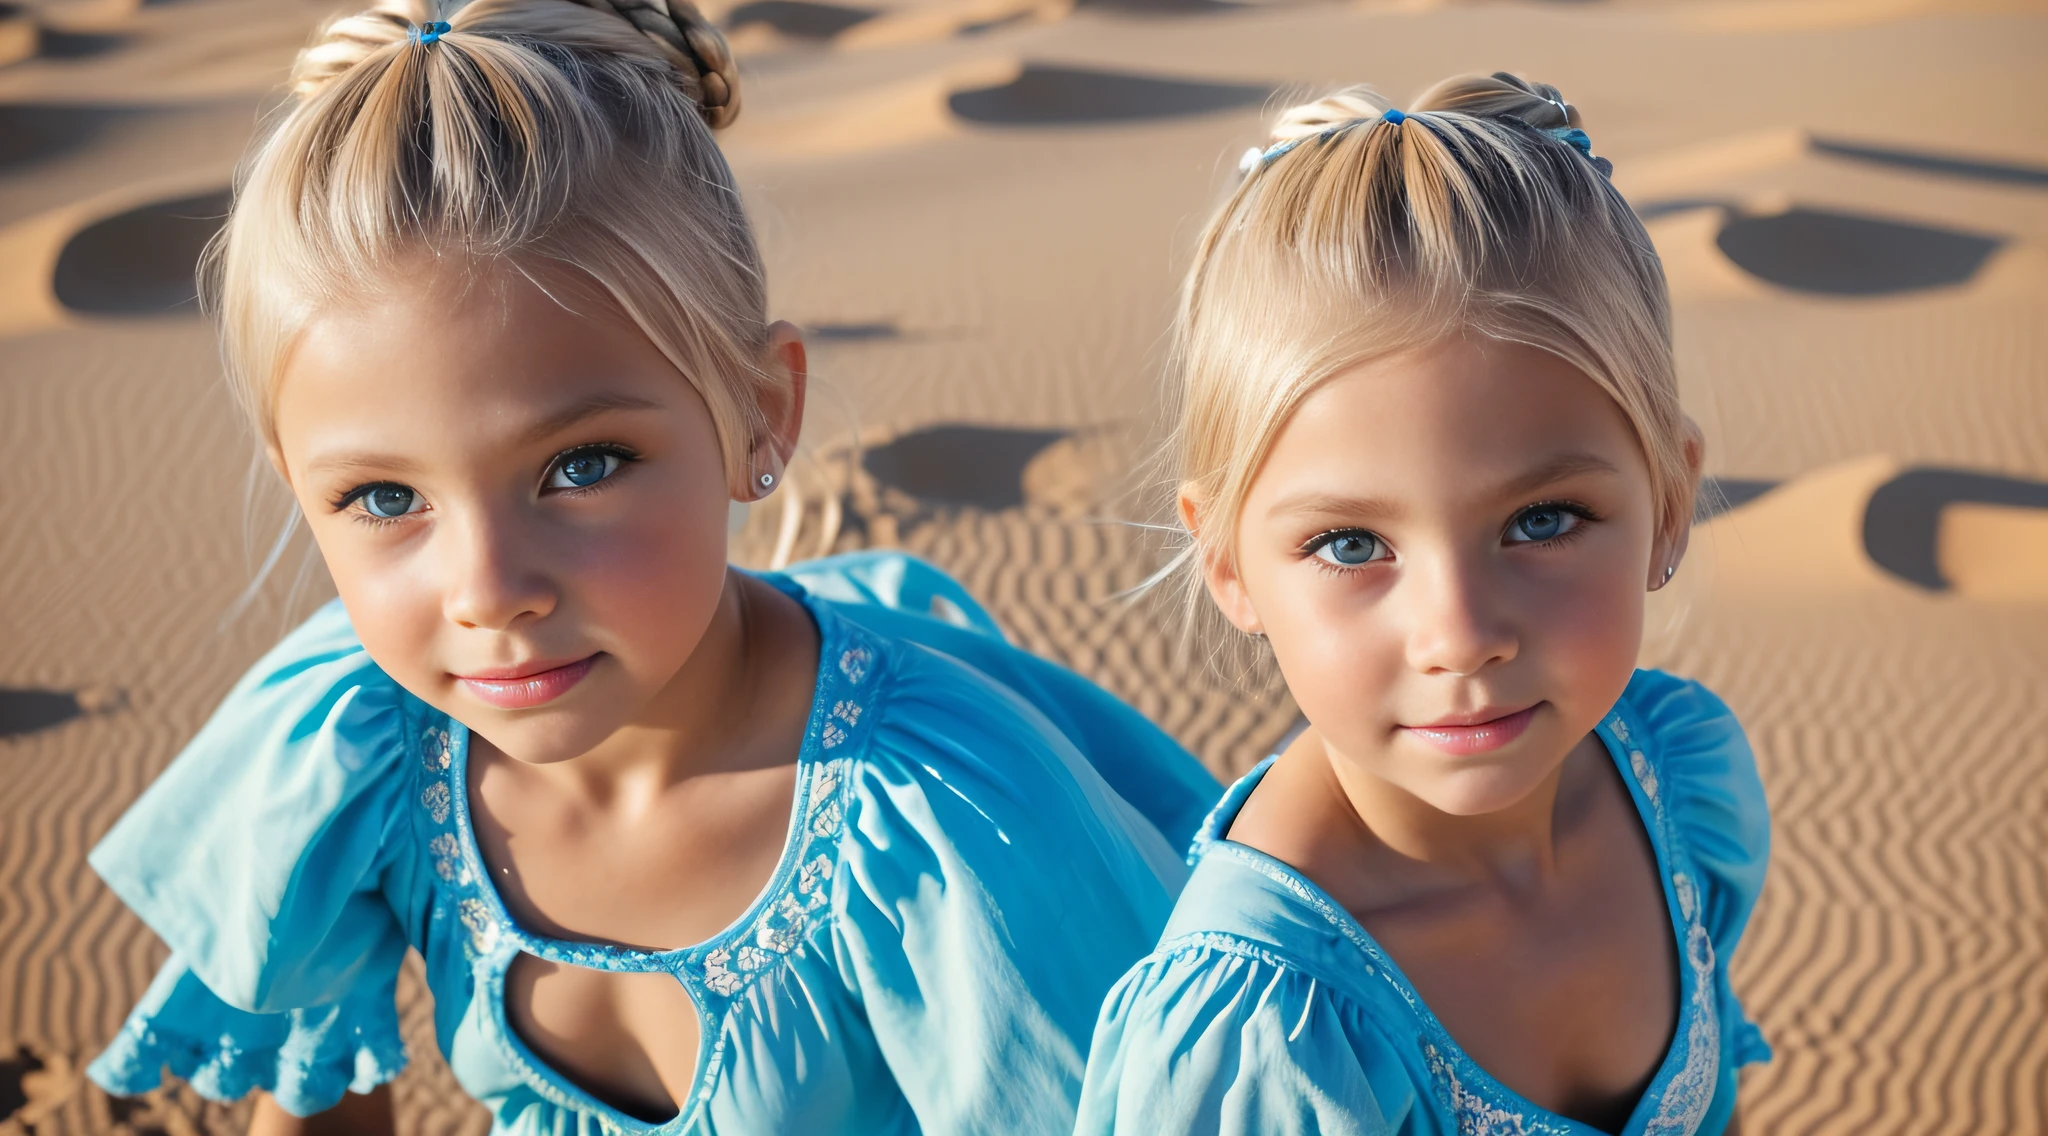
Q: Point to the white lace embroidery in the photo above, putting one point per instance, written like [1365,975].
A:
[437,749]
[435,799]
[1476,1115]
[483,930]
[447,854]
[1645,776]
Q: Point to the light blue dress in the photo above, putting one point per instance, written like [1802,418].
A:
[1267,1010]
[958,890]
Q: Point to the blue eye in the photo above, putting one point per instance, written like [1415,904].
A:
[1541,523]
[582,469]
[1349,548]
[387,501]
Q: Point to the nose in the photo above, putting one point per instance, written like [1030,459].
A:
[495,578]
[1459,623]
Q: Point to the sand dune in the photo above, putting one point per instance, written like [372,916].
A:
[979,208]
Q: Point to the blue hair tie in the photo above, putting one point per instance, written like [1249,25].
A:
[1393,117]
[1575,138]
[428,32]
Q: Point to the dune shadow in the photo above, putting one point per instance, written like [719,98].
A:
[54,44]
[13,1096]
[1902,522]
[37,132]
[981,466]
[798,19]
[26,711]
[873,332]
[1161,7]
[140,262]
[1718,495]
[1949,165]
[1045,95]
[1844,254]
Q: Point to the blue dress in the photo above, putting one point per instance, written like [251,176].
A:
[958,890]
[1267,1010]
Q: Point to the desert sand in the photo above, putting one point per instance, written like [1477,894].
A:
[980,209]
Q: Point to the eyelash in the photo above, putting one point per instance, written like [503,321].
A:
[1315,543]
[626,455]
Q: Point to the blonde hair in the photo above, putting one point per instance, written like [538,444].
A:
[546,135]
[1360,233]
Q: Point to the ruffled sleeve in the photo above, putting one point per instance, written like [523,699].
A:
[991,891]
[1216,1037]
[1717,802]
[902,597]
[260,855]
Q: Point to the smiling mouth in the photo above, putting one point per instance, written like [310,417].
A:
[1479,737]
[525,691]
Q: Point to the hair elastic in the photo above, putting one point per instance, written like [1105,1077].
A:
[1392,117]
[428,32]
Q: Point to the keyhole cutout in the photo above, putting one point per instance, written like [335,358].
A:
[628,1039]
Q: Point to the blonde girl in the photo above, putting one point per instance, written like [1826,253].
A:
[683,849]
[1431,452]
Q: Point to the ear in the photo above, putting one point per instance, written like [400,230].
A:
[1219,573]
[1671,544]
[782,405]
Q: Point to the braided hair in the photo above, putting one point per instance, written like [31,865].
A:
[560,136]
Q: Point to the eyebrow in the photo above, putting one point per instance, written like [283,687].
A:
[581,410]
[1562,467]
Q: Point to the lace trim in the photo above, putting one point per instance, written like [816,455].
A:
[720,970]
[343,1060]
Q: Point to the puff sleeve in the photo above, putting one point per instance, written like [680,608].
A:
[1216,1037]
[261,857]
[902,597]
[991,890]
[1717,804]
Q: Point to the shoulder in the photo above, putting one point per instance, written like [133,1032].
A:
[284,806]
[1221,1032]
[1703,774]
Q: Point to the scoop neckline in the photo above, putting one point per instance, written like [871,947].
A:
[1649,811]
[515,939]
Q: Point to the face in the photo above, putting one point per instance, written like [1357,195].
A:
[522,505]
[1447,551]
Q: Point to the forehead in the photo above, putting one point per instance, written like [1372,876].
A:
[463,349]
[1450,419]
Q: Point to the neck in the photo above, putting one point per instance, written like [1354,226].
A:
[1514,847]
[692,726]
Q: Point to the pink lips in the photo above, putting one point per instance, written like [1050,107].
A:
[1477,737]
[521,691]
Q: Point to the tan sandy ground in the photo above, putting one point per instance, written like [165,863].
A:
[981,207]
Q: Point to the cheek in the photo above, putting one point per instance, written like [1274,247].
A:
[652,576]
[394,609]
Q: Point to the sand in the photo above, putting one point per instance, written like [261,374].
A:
[980,208]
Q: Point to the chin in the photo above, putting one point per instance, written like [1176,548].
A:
[543,736]
[1477,792]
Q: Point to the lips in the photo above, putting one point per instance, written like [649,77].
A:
[1463,738]
[516,690]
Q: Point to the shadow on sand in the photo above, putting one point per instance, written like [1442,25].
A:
[798,19]
[25,712]
[1948,165]
[141,262]
[979,466]
[1844,254]
[1902,523]
[1065,96]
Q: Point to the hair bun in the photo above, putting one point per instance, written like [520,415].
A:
[692,45]
[1502,95]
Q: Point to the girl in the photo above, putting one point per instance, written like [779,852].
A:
[683,849]
[1432,454]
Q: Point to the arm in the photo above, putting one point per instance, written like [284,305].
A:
[358,1114]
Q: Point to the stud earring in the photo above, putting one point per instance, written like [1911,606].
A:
[767,482]
[1669,571]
